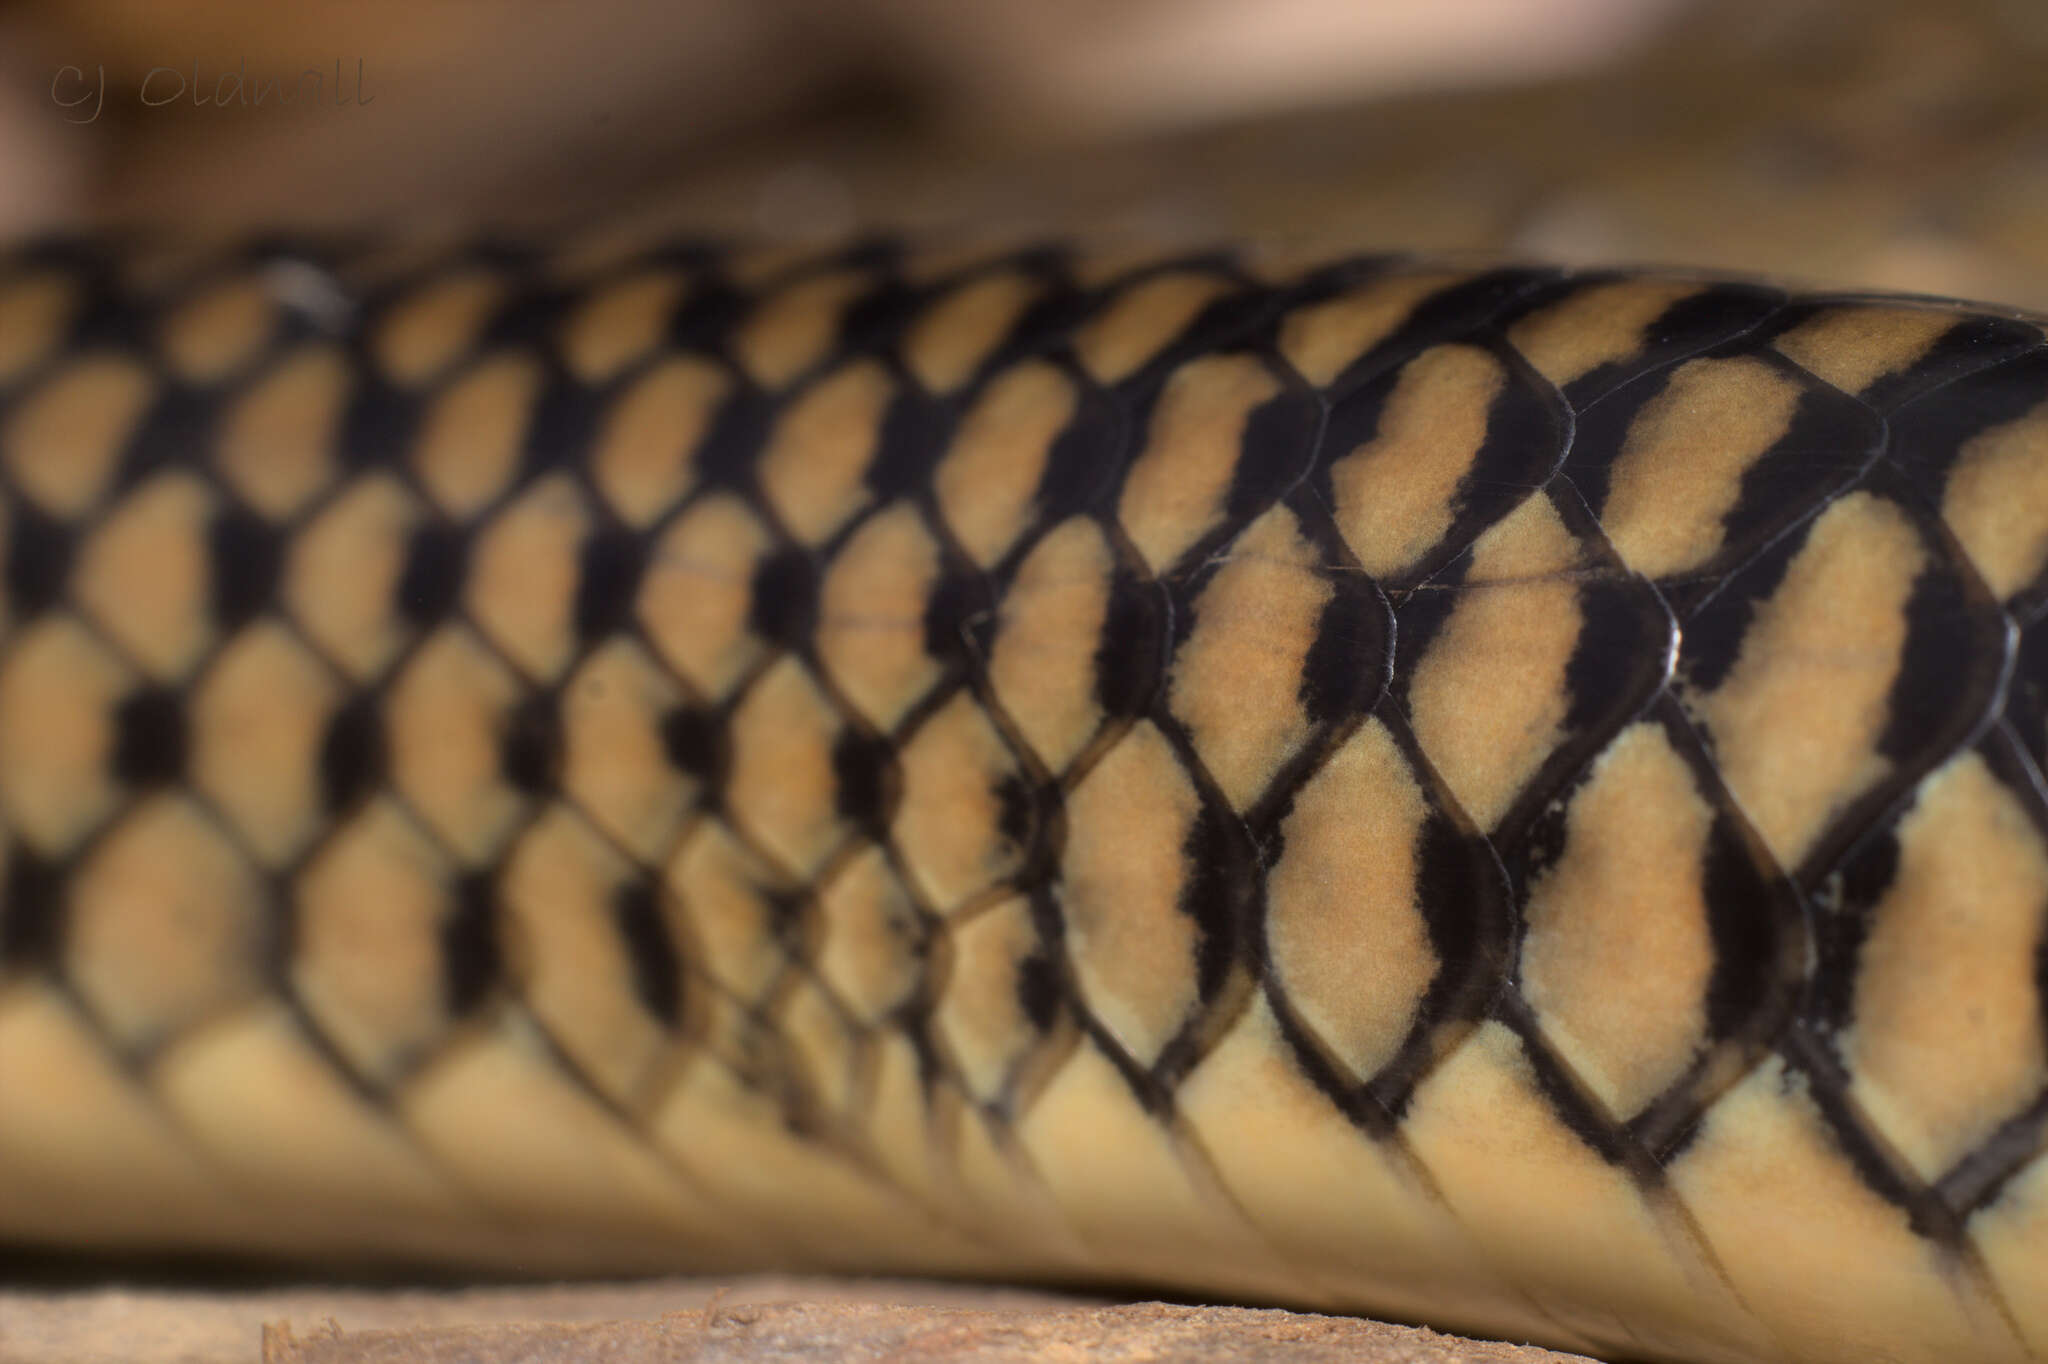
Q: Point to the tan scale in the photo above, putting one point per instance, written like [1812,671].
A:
[819,451]
[1945,1041]
[370,909]
[1796,722]
[1142,320]
[726,1027]
[63,442]
[2000,475]
[1042,665]
[209,337]
[2005,1233]
[621,323]
[1603,324]
[989,476]
[1511,637]
[614,762]
[259,717]
[919,1140]
[804,1191]
[949,816]
[444,715]
[871,615]
[521,588]
[277,445]
[870,950]
[144,575]
[431,329]
[272,1116]
[718,889]
[1134,1197]
[1635,1281]
[1771,1190]
[1125,867]
[826,1052]
[1344,921]
[956,334]
[35,309]
[1176,489]
[1237,678]
[1321,340]
[58,693]
[697,589]
[994,1176]
[469,441]
[1619,949]
[166,923]
[96,1160]
[572,964]
[782,790]
[1855,345]
[531,1147]
[901,1128]
[794,329]
[643,459]
[1310,1179]
[1397,494]
[342,572]
[1681,466]
[980,1016]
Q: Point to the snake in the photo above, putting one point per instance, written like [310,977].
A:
[1491,795]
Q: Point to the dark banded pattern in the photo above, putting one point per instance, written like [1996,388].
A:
[1498,797]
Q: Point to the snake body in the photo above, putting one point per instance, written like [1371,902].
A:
[1499,797]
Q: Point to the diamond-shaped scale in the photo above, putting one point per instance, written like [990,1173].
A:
[621,717]
[450,714]
[370,926]
[259,718]
[165,923]
[589,950]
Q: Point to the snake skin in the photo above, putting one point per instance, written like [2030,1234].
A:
[1497,797]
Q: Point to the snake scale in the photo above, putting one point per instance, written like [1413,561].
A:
[1503,797]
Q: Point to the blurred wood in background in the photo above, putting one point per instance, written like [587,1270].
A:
[1881,143]
[492,105]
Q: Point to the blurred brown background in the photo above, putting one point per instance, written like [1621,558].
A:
[1898,143]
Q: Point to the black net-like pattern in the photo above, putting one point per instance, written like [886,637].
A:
[789,934]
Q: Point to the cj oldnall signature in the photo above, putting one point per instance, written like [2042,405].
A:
[82,94]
